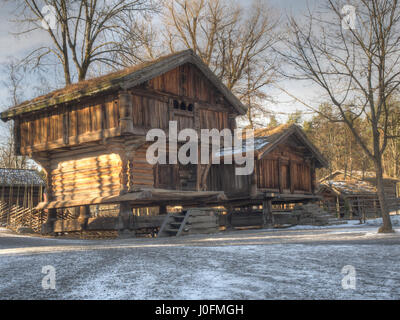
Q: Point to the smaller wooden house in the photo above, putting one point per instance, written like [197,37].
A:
[354,195]
[285,163]
[21,187]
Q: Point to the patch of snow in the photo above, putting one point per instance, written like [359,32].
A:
[378,222]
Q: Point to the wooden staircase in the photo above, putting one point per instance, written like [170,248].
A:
[191,221]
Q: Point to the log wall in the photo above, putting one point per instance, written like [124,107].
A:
[85,177]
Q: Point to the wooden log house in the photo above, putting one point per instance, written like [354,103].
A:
[90,137]
[284,172]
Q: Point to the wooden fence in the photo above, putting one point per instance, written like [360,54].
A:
[14,217]
[357,207]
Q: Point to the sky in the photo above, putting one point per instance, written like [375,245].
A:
[16,47]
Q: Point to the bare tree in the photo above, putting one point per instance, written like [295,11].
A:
[14,84]
[82,33]
[356,64]
[234,41]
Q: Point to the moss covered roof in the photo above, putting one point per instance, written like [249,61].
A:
[122,79]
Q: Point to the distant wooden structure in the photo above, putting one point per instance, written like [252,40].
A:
[21,187]
[90,139]
[284,172]
[21,190]
[354,196]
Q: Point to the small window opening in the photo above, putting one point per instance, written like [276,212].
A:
[190,107]
[183,106]
[176,104]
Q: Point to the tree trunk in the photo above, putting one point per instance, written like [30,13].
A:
[67,75]
[386,222]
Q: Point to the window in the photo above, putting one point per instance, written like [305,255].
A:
[181,105]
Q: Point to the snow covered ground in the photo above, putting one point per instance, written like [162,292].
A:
[257,264]
[352,223]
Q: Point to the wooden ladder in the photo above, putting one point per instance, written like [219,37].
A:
[174,224]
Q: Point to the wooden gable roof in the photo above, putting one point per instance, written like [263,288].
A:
[266,140]
[278,135]
[347,188]
[123,80]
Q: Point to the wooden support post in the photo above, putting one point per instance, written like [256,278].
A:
[350,205]
[48,226]
[267,213]
[253,187]
[313,177]
[84,215]
[125,216]
[280,180]
[163,209]
[228,219]
[292,176]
